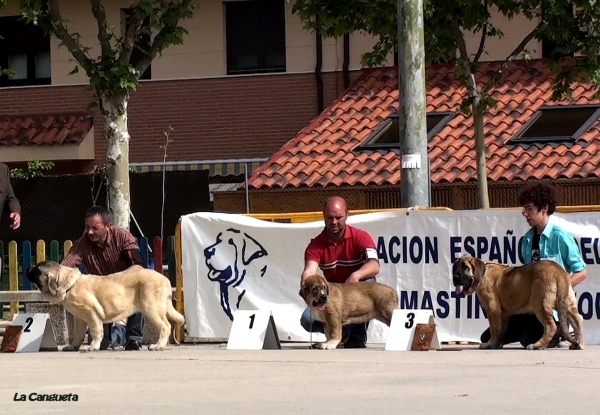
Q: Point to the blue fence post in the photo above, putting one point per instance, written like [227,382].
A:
[143,244]
[27,263]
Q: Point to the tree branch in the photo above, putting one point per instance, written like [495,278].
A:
[160,39]
[103,33]
[520,48]
[464,57]
[128,43]
[63,34]
[483,36]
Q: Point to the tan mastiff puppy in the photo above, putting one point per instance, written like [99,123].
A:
[539,287]
[336,305]
[95,300]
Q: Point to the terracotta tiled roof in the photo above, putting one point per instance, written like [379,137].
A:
[327,153]
[45,129]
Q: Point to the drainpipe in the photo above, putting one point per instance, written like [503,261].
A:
[346,64]
[318,75]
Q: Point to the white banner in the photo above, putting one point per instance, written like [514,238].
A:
[237,262]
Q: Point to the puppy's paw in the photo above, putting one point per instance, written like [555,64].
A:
[89,348]
[535,346]
[487,345]
[576,346]
[155,347]
[330,345]
[70,348]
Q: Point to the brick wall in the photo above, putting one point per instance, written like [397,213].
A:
[219,118]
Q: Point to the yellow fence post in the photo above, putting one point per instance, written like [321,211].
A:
[178,280]
[40,251]
[67,247]
[13,276]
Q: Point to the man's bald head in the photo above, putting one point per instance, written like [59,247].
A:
[335,213]
[335,202]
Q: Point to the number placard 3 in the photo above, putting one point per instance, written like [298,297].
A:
[402,328]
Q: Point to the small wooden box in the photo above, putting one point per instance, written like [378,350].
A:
[423,337]
[11,338]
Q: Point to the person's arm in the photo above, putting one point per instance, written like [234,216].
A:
[310,268]
[368,270]
[371,266]
[572,259]
[74,258]
[130,251]
[13,203]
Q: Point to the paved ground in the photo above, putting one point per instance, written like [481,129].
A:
[207,379]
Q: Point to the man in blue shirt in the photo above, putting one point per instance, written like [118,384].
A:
[544,241]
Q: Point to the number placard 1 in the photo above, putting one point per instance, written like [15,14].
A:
[37,334]
[253,330]
[402,329]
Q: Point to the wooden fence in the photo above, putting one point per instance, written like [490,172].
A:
[15,263]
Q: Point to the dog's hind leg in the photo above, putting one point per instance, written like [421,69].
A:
[162,324]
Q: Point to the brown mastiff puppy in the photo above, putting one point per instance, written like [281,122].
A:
[537,288]
[94,300]
[337,304]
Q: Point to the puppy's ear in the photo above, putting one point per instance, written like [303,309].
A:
[34,274]
[478,268]
[55,282]
[303,290]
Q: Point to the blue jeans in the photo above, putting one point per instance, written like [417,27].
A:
[117,335]
[356,331]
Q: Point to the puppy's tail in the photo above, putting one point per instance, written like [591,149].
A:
[565,301]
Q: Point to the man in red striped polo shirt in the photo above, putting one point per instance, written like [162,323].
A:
[344,254]
[105,249]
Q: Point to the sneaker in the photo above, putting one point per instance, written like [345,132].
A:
[133,345]
[354,343]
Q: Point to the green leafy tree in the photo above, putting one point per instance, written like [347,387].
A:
[115,73]
[34,170]
[446,24]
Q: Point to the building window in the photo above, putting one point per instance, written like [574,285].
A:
[558,124]
[387,136]
[25,51]
[255,36]
[557,48]
[144,42]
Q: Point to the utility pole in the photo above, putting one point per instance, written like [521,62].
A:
[415,180]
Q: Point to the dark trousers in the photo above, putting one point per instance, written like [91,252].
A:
[523,328]
[357,332]
[117,335]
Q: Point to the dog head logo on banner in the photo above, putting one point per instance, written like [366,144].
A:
[229,260]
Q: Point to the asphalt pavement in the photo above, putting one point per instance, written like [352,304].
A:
[208,379]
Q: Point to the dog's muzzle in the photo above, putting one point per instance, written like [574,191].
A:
[463,286]
[321,300]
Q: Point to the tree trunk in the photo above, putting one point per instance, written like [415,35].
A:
[117,136]
[480,156]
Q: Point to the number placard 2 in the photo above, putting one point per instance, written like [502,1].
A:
[253,330]
[37,334]
[402,329]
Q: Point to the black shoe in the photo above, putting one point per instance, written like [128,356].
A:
[354,343]
[105,344]
[133,345]
[555,339]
